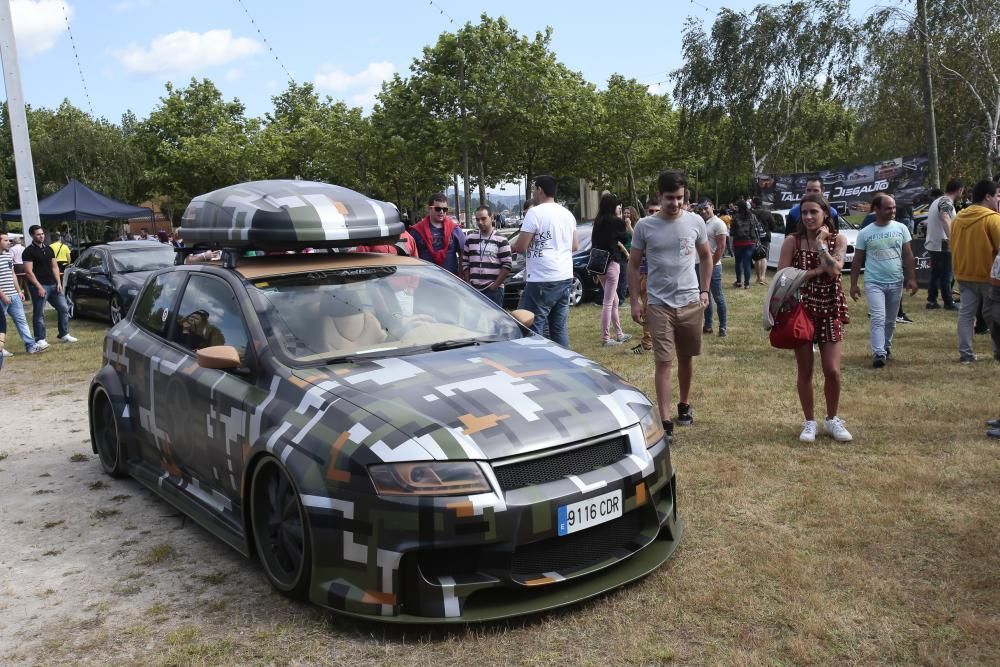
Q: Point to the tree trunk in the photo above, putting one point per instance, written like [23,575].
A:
[482,183]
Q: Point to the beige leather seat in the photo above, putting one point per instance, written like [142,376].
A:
[338,326]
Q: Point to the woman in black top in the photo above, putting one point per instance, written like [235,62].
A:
[610,235]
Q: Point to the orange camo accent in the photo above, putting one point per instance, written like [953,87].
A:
[540,582]
[171,468]
[301,384]
[342,371]
[332,473]
[340,206]
[641,496]
[378,597]
[463,508]
[190,369]
[513,374]
[475,424]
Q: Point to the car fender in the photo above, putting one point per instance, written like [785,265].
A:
[108,380]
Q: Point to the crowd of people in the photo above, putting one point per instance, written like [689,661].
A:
[670,263]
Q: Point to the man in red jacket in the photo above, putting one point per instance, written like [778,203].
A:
[439,238]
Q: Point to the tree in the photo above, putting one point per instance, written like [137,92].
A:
[317,140]
[756,69]
[196,142]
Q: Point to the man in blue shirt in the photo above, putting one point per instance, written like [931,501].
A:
[813,186]
[883,249]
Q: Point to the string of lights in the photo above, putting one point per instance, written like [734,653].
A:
[442,12]
[76,56]
[266,43]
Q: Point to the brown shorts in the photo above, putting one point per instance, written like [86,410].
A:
[675,329]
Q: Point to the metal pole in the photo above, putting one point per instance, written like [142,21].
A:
[26,192]
[925,75]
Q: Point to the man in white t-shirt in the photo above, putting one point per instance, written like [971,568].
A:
[717,233]
[548,240]
[939,217]
[672,241]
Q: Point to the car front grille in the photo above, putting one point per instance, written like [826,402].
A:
[577,461]
[577,549]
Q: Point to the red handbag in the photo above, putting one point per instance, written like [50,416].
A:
[793,327]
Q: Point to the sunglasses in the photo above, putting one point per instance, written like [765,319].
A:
[441,209]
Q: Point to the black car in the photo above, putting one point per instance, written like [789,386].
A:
[584,287]
[105,278]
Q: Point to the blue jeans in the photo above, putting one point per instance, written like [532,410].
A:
[16,312]
[744,263]
[550,304]
[883,304]
[940,277]
[494,295]
[58,301]
[717,297]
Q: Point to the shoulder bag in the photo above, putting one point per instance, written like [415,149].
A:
[597,263]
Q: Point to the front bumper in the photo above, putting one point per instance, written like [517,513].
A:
[460,563]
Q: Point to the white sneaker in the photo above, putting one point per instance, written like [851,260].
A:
[809,428]
[8,353]
[67,339]
[35,349]
[835,429]
[42,344]
[610,342]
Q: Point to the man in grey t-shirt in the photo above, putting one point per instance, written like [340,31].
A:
[672,241]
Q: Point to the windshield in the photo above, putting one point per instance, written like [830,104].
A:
[371,312]
[143,259]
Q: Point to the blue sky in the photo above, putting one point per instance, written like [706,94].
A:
[128,49]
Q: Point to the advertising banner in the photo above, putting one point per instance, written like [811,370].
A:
[852,188]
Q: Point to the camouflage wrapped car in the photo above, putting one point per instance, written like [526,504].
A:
[386,441]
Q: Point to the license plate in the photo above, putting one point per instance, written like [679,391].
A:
[590,512]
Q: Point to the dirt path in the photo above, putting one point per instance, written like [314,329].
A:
[92,568]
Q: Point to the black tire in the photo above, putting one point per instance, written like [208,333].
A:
[280,531]
[71,304]
[576,296]
[104,433]
[115,310]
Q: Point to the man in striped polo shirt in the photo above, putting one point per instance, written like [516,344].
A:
[486,258]
[11,297]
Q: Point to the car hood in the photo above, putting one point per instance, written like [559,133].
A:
[489,401]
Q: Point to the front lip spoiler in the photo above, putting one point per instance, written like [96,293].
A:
[635,567]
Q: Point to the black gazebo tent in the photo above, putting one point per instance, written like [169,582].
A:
[75,201]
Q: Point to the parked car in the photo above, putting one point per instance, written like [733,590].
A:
[386,440]
[105,278]
[584,287]
[848,229]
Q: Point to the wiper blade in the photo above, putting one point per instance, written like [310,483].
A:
[463,342]
[453,344]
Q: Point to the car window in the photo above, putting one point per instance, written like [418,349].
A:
[209,315]
[89,260]
[153,310]
[583,234]
[143,259]
[374,311]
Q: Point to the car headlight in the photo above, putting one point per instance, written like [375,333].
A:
[652,428]
[430,478]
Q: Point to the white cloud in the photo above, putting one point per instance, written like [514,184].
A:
[185,52]
[655,89]
[234,74]
[359,88]
[38,23]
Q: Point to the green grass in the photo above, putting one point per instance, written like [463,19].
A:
[882,551]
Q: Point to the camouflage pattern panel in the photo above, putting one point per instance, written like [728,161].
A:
[288,214]
[488,402]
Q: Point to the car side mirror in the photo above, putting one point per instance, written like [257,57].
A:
[525,317]
[221,357]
